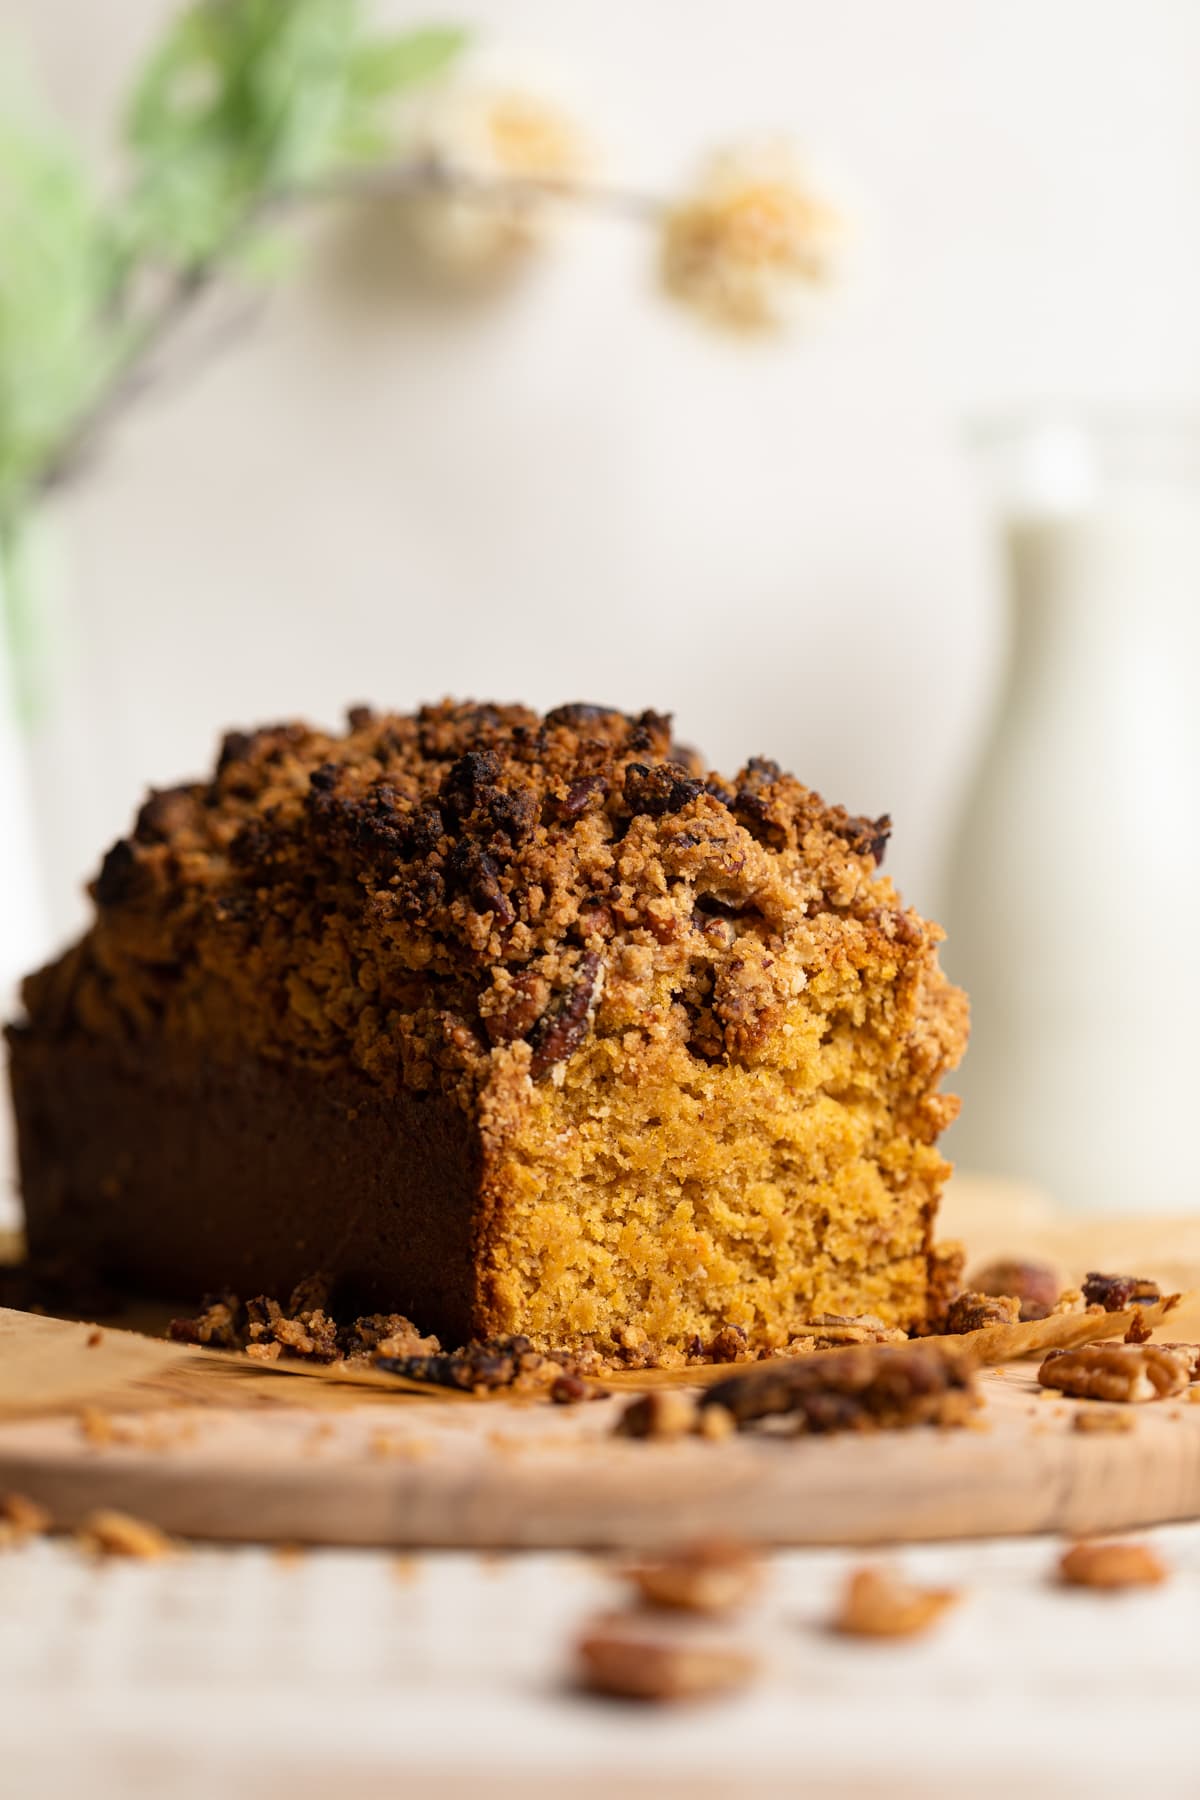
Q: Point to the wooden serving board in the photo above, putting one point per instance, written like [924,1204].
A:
[411,1472]
[226,1450]
[212,1446]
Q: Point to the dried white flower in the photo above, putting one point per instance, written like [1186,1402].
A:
[493,147]
[750,237]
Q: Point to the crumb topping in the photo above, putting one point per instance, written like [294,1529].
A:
[460,897]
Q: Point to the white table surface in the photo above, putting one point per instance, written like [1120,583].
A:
[234,1672]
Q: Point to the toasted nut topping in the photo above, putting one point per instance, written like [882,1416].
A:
[662,1413]
[111,1533]
[1035,1285]
[1115,1292]
[1132,1373]
[876,1603]
[615,1658]
[712,1577]
[1111,1566]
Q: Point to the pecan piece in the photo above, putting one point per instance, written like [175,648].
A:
[714,1577]
[557,1034]
[108,1532]
[23,1518]
[1036,1285]
[1131,1373]
[1104,1419]
[730,1344]
[1111,1566]
[975,1312]
[666,788]
[875,1603]
[867,1387]
[1115,1292]
[622,1659]
[581,796]
[662,1413]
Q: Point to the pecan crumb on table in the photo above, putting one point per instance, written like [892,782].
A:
[712,1577]
[876,1603]
[108,1532]
[619,1658]
[1109,1565]
[1131,1373]
[21,1518]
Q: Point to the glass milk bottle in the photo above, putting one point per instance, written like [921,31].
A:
[1074,897]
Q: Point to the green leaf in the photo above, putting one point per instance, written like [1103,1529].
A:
[388,65]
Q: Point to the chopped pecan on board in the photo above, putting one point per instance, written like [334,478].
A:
[621,1659]
[876,1603]
[1109,1565]
[975,1312]
[662,1413]
[1116,1292]
[1104,1419]
[867,1387]
[1132,1373]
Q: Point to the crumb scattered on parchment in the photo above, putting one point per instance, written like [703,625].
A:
[287,1555]
[94,1338]
[879,1604]
[108,1532]
[620,1656]
[1111,1565]
[715,1576]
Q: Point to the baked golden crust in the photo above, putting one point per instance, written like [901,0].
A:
[542,919]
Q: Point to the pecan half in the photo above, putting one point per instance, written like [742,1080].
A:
[557,1034]
[1111,1566]
[1132,1373]
[621,1659]
[713,1577]
[875,1603]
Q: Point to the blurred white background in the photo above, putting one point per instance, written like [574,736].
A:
[574,490]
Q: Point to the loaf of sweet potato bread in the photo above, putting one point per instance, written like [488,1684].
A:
[509,1023]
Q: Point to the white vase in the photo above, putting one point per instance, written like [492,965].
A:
[24,936]
[1075,883]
